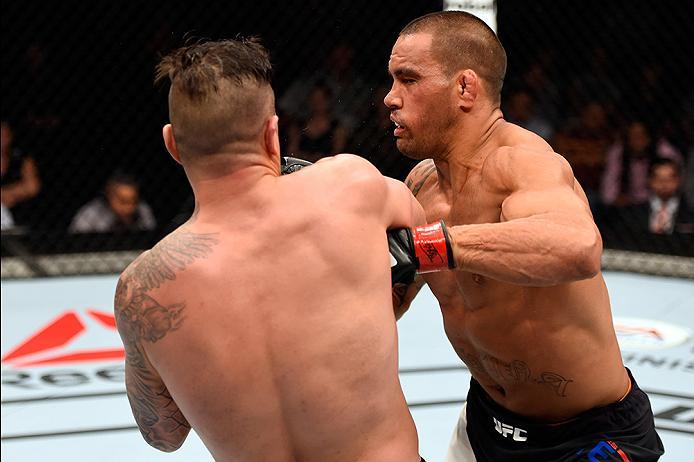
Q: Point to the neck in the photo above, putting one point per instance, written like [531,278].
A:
[471,142]
[220,183]
[664,198]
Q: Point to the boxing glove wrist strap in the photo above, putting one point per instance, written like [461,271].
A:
[432,247]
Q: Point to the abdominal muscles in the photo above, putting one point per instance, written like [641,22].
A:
[538,361]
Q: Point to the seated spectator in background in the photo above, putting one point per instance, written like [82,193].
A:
[20,176]
[665,211]
[583,142]
[689,178]
[119,209]
[321,133]
[687,127]
[626,176]
[520,109]
[373,139]
[7,222]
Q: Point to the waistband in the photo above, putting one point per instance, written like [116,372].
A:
[619,415]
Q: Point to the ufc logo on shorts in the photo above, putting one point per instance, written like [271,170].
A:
[506,430]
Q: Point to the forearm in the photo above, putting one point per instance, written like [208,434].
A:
[161,422]
[542,250]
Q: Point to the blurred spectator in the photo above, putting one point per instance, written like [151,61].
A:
[583,143]
[321,133]
[687,127]
[373,139]
[520,109]
[7,221]
[666,211]
[625,180]
[688,188]
[119,209]
[349,91]
[20,176]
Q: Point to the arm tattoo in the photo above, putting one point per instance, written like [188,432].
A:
[140,317]
[419,175]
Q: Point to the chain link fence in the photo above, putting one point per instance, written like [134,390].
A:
[607,84]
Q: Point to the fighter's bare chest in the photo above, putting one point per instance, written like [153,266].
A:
[473,204]
[461,291]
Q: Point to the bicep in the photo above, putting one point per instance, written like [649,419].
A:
[549,190]
[527,203]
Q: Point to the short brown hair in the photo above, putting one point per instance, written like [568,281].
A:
[464,41]
[220,93]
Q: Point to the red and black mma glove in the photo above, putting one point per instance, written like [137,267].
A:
[423,249]
[292,164]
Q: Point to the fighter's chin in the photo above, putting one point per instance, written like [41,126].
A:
[409,149]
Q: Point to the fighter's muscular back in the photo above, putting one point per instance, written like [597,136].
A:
[271,326]
[545,351]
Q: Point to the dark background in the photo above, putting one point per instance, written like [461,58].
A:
[77,76]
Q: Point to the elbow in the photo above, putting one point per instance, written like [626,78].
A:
[164,446]
[588,261]
[167,447]
[168,442]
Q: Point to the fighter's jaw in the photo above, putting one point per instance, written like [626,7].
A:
[404,146]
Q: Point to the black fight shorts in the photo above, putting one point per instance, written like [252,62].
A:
[622,431]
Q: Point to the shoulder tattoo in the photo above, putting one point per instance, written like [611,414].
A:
[418,176]
[139,315]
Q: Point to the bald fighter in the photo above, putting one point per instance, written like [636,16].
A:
[266,321]
[526,308]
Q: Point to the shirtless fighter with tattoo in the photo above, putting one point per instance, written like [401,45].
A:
[266,321]
[526,308]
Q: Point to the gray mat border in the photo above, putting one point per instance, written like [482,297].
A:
[114,262]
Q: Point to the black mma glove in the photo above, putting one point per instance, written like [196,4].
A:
[292,164]
[403,266]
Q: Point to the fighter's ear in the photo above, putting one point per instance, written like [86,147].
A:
[170,142]
[468,85]
[272,137]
